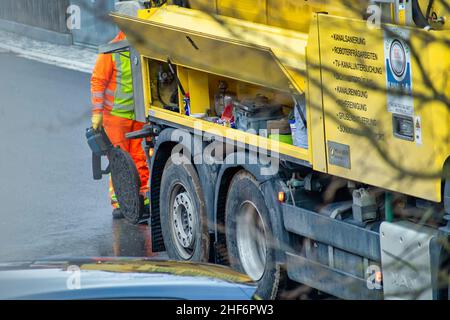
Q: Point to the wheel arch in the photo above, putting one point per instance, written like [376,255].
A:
[162,152]
[269,186]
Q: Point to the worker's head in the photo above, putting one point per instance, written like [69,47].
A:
[129,8]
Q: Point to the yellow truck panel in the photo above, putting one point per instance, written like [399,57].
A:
[361,110]
[251,10]
[288,14]
[314,100]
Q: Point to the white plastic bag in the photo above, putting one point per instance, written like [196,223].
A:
[300,137]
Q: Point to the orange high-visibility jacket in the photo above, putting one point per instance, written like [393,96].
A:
[112,83]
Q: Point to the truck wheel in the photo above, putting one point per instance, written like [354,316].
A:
[183,214]
[249,232]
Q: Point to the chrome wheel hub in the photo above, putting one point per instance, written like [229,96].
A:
[183,222]
[251,240]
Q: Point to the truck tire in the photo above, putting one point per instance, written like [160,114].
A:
[183,213]
[248,235]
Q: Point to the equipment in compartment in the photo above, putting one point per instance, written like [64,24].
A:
[223,98]
[364,206]
[297,121]
[279,130]
[253,114]
[165,82]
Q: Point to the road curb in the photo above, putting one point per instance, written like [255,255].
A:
[49,59]
[36,32]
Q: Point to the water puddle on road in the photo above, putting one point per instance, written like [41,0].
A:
[132,240]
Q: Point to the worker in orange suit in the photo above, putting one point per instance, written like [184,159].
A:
[113,108]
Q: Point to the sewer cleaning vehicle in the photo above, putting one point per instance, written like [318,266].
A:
[300,140]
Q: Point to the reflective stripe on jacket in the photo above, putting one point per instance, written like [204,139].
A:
[112,84]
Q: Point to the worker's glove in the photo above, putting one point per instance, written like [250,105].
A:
[97,120]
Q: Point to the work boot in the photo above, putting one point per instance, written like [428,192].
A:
[117,214]
[145,207]
[145,212]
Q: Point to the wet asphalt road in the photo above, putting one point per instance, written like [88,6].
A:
[49,204]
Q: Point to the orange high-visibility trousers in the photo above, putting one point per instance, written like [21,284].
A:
[116,128]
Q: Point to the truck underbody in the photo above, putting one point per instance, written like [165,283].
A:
[316,242]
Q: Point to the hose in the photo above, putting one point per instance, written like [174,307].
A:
[158,92]
[430,6]
[419,19]
[388,210]
[181,3]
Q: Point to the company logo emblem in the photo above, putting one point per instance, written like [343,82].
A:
[398,66]
[399,82]
[397,57]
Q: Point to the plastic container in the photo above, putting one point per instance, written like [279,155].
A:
[198,115]
[298,126]
[284,138]
[187,104]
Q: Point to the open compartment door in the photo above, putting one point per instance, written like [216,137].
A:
[254,53]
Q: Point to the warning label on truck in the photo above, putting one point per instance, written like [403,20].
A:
[418,129]
[398,72]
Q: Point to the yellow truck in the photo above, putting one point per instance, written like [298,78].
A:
[303,141]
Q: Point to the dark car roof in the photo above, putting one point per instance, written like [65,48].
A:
[121,278]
